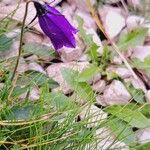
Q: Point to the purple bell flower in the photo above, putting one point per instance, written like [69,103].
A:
[55,26]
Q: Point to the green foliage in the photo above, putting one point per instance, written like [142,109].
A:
[88,73]
[87,38]
[61,102]
[145,146]
[145,110]
[137,94]
[132,117]
[36,78]
[39,49]
[132,38]
[51,122]
[82,89]
[5,43]
[20,113]
[122,130]
[144,65]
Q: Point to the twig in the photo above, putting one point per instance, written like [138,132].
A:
[99,24]
[21,40]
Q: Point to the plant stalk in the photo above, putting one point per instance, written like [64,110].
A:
[21,41]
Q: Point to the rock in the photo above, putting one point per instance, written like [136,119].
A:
[134,21]
[125,74]
[89,22]
[72,54]
[105,140]
[12,52]
[14,33]
[32,58]
[36,67]
[113,1]
[10,65]
[9,2]
[99,86]
[68,11]
[137,83]
[34,94]
[78,99]
[100,100]
[143,135]
[141,52]
[135,3]
[30,37]
[54,72]
[94,115]
[116,93]
[84,58]
[54,3]
[19,14]
[95,78]
[81,4]
[112,25]
[1,85]
[121,72]
[147,96]
[23,66]
[117,60]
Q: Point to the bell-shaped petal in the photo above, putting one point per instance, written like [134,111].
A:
[56,26]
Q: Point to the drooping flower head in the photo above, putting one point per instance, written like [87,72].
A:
[55,26]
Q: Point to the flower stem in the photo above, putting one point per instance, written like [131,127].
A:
[21,41]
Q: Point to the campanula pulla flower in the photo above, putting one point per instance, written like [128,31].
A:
[55,26]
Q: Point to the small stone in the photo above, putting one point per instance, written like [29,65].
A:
[30,37]
[116,93]
[141,52]
[100,100]
[12,52]
[23,66]
[112,25]
[99,86]
[14,33]
[78,99]
[34,94]
[84,58]
[135,3]
[105,140]
[143,135]
[137,83]
[95,78]
[32,58]
[1,85]
[134,21]
[117,60]
[89,22]
[68,11]
[81,4]
[121,72]
[36,67]
[72,54]
[94,115]
[54,72]
[18,15]
[147,95]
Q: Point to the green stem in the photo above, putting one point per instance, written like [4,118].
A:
[21,41]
